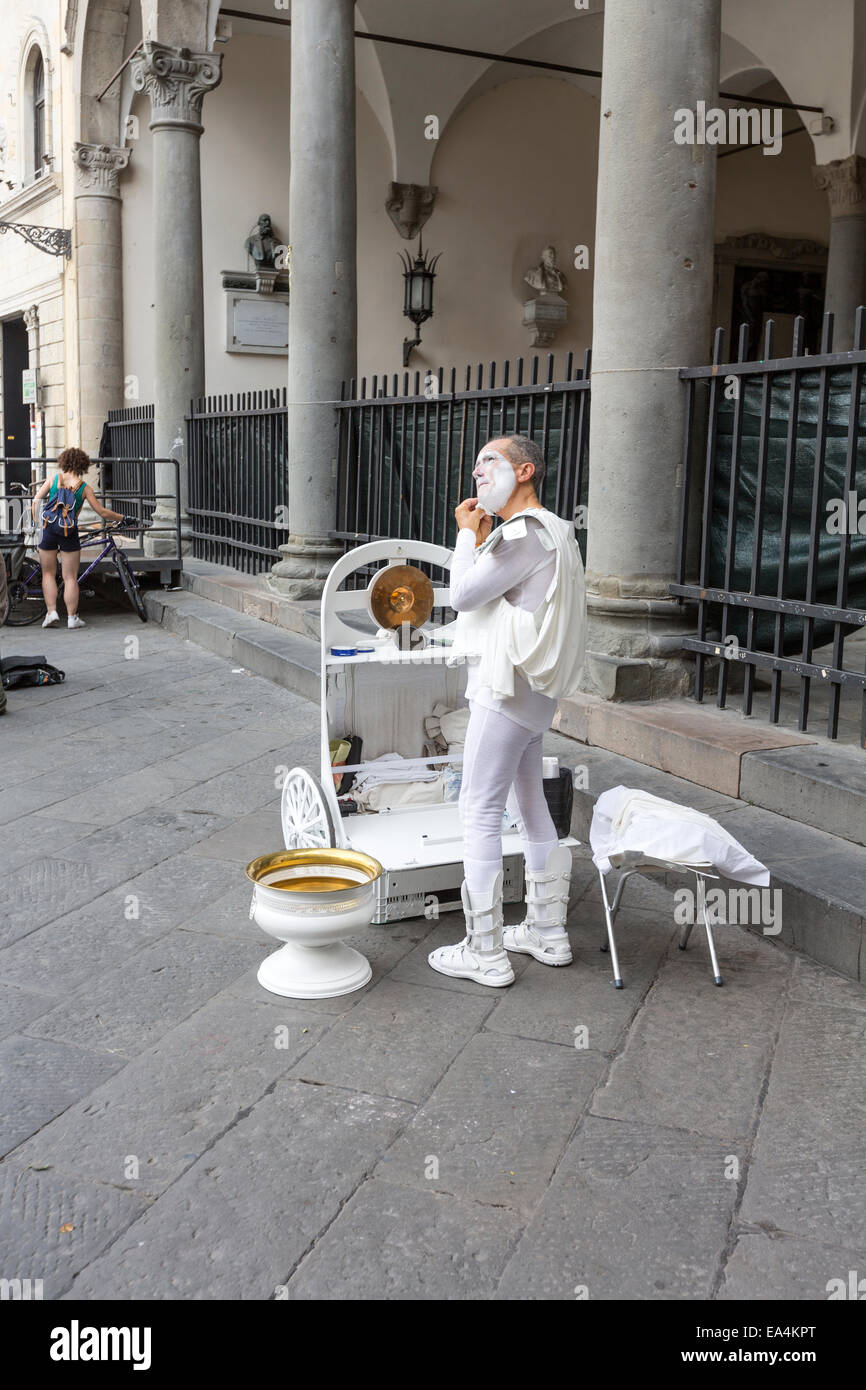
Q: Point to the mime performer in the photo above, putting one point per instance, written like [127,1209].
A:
[519,595]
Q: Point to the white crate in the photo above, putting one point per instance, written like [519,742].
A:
[432,891]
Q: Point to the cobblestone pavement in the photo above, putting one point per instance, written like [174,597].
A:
[171,1131]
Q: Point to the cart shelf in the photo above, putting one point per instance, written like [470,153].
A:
[392,656]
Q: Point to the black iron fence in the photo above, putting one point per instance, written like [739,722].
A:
[238,478]
[406,451]
[773,538]
[126,451]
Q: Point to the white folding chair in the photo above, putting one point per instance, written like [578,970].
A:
[633,862]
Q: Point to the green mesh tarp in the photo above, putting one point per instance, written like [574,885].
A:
[833,486]
[405,476]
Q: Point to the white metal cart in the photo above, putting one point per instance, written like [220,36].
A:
[382,695]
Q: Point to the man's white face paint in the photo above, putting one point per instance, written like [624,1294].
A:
[495,480]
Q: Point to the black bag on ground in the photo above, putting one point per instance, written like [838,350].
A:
[29,670]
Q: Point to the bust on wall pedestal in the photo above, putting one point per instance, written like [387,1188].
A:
[548,312]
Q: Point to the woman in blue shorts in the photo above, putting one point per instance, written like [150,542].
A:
[67,492]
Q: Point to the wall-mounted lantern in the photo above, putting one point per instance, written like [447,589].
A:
[418,294]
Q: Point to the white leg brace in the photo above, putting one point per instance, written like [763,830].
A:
[542,933]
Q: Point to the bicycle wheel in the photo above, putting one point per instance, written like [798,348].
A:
[131,589]
[25,605]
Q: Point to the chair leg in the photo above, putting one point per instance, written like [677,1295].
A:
[609,917]
[684,936]
[614,909]
[716,972]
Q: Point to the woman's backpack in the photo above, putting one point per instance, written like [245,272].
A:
[60,509]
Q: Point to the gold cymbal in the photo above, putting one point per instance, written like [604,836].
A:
[400,594]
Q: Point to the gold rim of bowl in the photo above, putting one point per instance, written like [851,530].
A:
[315,858]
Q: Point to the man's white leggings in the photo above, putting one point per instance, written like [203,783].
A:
[498,755]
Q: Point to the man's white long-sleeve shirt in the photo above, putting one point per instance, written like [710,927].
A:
[519,569]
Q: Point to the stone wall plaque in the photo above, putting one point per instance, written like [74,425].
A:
[257,324]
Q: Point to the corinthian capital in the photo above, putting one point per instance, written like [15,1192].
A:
[176,81]
[844,181]
[98,167]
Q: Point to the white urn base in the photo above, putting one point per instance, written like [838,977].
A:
[314,972]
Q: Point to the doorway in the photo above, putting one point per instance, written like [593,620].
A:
[16,415]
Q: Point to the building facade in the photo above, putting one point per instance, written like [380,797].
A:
[157,135]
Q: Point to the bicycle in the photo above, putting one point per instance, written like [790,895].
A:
[25,603]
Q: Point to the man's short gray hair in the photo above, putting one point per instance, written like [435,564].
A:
[521,449]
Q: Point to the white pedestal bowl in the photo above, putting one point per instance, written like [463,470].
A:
[310,899]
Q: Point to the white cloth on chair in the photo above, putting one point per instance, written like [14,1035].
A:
[625,820]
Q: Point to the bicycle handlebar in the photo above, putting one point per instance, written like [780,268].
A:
[118,525]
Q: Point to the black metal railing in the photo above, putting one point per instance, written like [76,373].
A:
[405,455]
[139,501]
[238,478]
[772,543]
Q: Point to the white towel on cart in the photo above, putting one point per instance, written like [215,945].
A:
[627,820]
[393,767]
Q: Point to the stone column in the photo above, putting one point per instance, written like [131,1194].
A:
[323,308]
[651,312]
[100,292]
[176,81]
[844,181]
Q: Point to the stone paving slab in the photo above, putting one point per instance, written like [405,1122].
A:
[239,1221]
[18,1007]
[553,1003]
[248,836]
[697,1055]
[104,803]
[52,1226]
[497,1123]
[133,1002]
[142,840]
[634,1211]
[816,1101]
[787,1267]
[60,955]
[397,1041]
[227,794]
[46,888]
[169,1105]
[816,985]
[806,1174]
[39,1079]
[392,1242]
[40,833]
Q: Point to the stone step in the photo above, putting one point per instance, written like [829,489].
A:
[811,779]
[246,593]
[285,657]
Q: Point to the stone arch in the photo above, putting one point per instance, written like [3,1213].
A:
[419,84]
[100,48]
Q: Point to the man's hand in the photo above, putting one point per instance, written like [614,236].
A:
[469,516]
